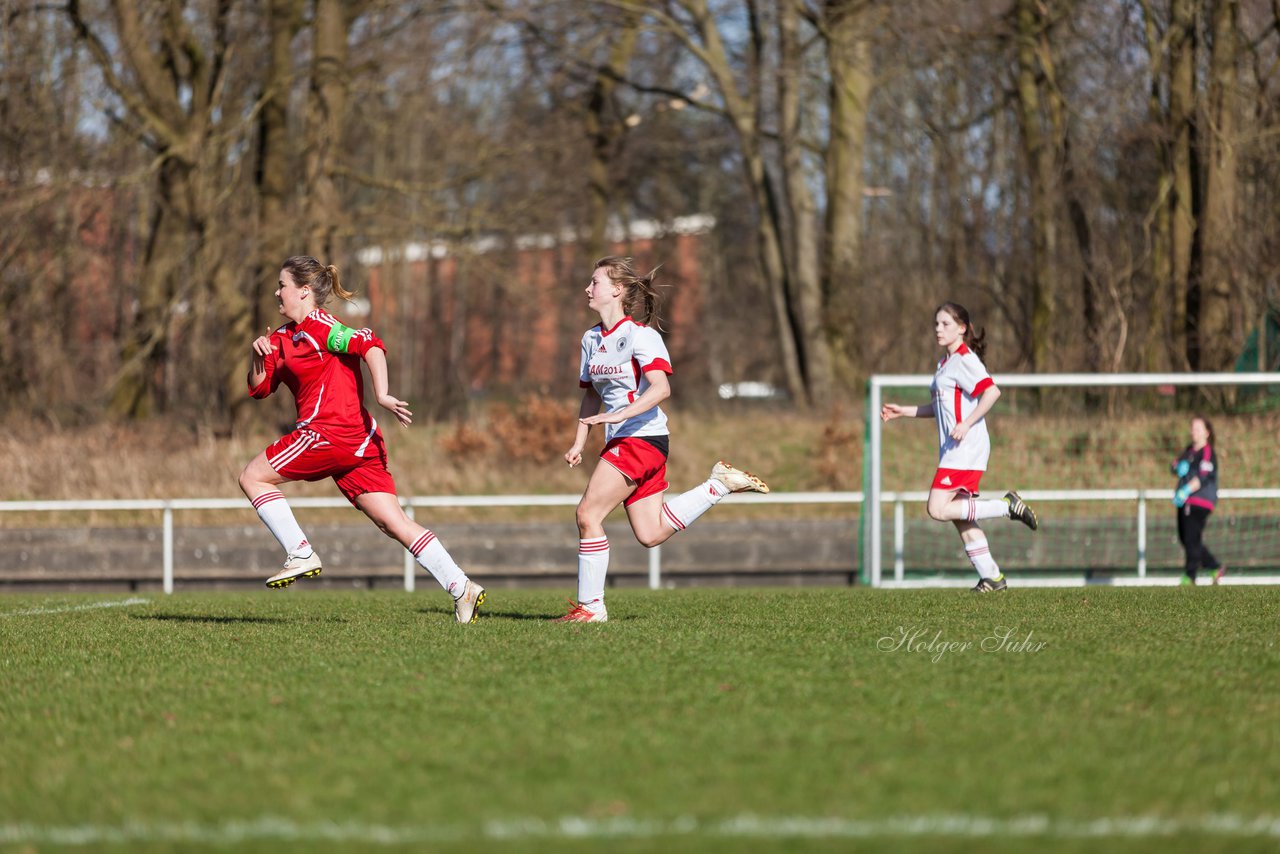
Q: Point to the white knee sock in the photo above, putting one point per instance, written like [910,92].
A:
[683,510]
[987,508]
[593,565]
[276,514]
[980,556]
[433,557]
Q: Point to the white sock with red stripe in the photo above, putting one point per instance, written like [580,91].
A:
[980,556]
[986,508]
[276,514]
[683,510]
[593,566]
[432,556]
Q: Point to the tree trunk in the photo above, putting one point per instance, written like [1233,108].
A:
[603,134]
[172,99]
[1160,295]
[136,392]
[1089,296]
[326,127]
[1182,220]
[1042,183]
[801,216]
[741,113]
[1216,342]
[271,179]
[274,166]
[849,64]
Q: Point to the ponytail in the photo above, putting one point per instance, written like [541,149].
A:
[974,339]
[322,280]
[641,297]
[338,290]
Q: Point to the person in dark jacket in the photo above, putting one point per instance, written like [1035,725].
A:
[1195,498]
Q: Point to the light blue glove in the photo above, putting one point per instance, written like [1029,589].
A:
[1182,468]
[1181,495]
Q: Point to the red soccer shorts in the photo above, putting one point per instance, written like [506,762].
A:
[641,463]
[958,480]
[306,455]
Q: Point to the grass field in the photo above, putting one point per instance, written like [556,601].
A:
[1112,719]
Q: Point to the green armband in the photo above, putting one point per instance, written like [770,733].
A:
[339,338]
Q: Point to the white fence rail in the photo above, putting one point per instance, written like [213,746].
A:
[1140,497]
[169,507]
[899,501]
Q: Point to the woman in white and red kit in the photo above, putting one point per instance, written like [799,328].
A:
[963,394]
[623,368]
[318,359]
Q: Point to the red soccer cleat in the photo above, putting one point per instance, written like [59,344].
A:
[579,613]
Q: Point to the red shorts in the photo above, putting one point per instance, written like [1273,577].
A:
[641,463]
[958,480]
[306,455]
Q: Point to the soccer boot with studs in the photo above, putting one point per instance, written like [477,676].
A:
[580,613]
[990,585]
[466,608]
[294,568]
[1019,510]
[736,479]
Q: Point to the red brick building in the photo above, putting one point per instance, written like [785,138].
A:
[507,318]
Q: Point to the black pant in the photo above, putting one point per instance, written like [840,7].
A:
[1191,522]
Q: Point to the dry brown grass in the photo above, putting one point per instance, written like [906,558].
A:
[511,449]
[519,449]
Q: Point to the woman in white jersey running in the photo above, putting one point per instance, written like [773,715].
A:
[963,394]
[624,368]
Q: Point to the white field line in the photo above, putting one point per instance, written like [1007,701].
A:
[120,603]
[1028,581]
[567,828]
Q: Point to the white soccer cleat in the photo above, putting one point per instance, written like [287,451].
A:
[294,568]
[466,608]
[736,479]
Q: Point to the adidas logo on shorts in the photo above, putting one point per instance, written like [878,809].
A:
[946,480]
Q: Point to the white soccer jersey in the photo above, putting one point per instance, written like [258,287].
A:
[615,362]
[960,380]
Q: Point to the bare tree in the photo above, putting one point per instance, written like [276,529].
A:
[1043,176]
[169,83]
[1027,159]
[1214,342]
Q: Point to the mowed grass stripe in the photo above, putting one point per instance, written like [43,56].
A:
[849,706]
[62,609]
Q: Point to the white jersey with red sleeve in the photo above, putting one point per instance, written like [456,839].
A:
[614,362]
[319,360]
[960,380]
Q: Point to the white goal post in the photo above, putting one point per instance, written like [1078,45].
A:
[877,497]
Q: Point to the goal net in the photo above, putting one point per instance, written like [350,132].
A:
[1092,454]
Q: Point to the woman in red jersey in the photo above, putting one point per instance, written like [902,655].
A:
[318,359]
[624,367]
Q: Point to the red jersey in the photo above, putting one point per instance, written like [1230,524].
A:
[319,360]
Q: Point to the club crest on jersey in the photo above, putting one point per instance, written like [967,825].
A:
[622,342]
